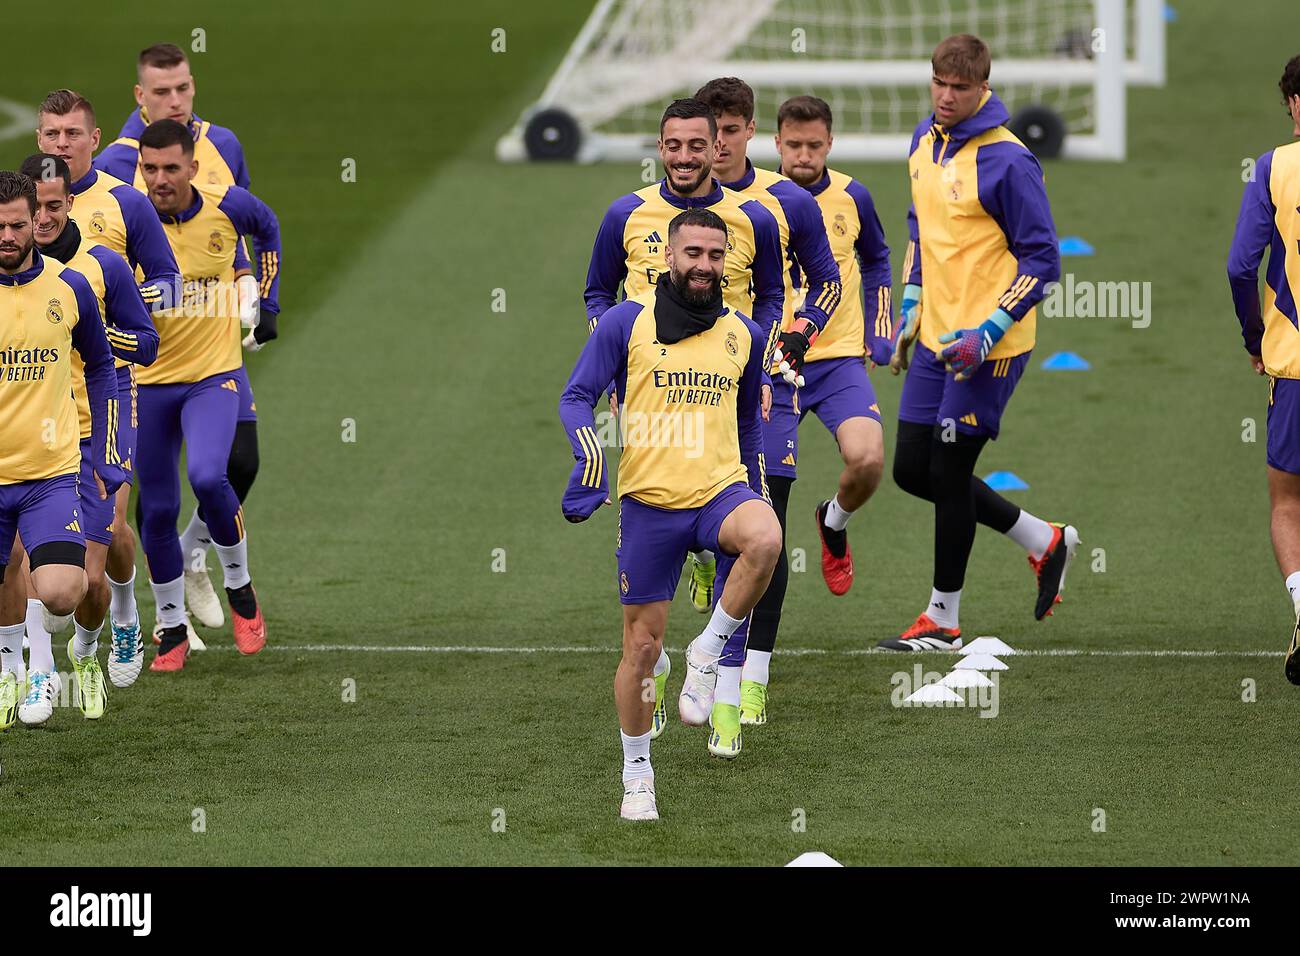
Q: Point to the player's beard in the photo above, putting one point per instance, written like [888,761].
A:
[9,261]
[706,170]
[697,297]
[805,177]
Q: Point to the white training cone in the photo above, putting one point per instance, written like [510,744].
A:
[932,693]
[816,858]
[965,679]
[987,645]
[980,662]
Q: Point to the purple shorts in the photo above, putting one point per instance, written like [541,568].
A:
[127,423]
[41,511]
[247,407]
[1284,425]
[96,513]
[653,542]
[933,396]
[834,390]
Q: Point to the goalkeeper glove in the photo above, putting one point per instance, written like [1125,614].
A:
[970,347]
[263,332]
[909,327]
[249,301]
[791,347]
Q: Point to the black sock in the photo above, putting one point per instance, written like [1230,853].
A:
[766,618]
[952,466]
[242,600]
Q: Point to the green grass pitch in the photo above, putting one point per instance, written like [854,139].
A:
[390,541]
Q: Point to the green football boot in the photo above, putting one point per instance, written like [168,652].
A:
[753,702]
[724,741]
[11,695]
[701,585]
[92,695]
[660,720]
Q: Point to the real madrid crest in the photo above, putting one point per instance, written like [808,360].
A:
[214,179]
[954,190]
[215,243]
[733,345]
[98,223]
[54,311]
[839,226]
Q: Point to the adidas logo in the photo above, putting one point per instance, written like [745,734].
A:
[73,525]
[233,564]
[939,604]
[970,420]
[230,385]
[169,607]
[653,239]
[788,459]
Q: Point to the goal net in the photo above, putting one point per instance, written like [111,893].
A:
[869,59]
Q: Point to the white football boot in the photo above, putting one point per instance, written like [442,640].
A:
[696,700]
[201,599]
[42,690]
[639,800]
[126,656]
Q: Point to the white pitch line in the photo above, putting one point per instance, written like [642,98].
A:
[792,652]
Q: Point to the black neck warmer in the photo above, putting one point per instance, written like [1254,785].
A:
[676,319]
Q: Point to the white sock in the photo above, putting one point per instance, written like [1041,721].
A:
[836,516]
[756,665]
[727,690]
[58,622]
[85,643]
[234,562]
[704,557]
[11,651]
[39,649]
[195,541]
[661,665]
[722,624]
[121,608]
[636,757]
[1293,587]
[169,598]
[1032,534]
[943,607]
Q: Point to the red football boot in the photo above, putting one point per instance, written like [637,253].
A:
[837,569]
[925,635]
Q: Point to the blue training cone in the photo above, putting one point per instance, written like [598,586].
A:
[1076,246]
[1066,362]
[1005,481]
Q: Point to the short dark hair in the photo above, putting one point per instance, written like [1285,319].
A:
[962,55]
[1290,82]
[63,102]
[804,109]
[17,186]
[167,132]
[696,216]
[162,56]
[689,108]
[43,167]
[728,94]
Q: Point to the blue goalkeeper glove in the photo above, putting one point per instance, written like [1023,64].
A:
[909,327]
[970,347]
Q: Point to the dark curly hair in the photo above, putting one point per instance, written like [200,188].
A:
[1290,82]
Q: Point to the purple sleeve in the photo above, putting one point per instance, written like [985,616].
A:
[90,340]
[1254,232]
[873,263]
[749,414]
[812,250]
[119,160]
[130,330]
[912,257]
[603,359]
[252,217]
[768,277]
[1011,190]
[231,151]
[608,265]
[147,247]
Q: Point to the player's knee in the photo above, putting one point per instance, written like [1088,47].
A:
[911,477]
[765,542]
[866,466]
[208,482]
[62,595]
[640,647]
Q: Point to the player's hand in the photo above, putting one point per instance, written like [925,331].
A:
[765,403]
[613,404]
[970,347]
[791,347]
[263,332]
[579,516]
[909,327]
[108,478]
[1257,363]
[880,351]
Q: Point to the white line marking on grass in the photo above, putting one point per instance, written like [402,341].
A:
[792,652]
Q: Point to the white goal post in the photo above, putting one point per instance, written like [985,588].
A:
[1071,60]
